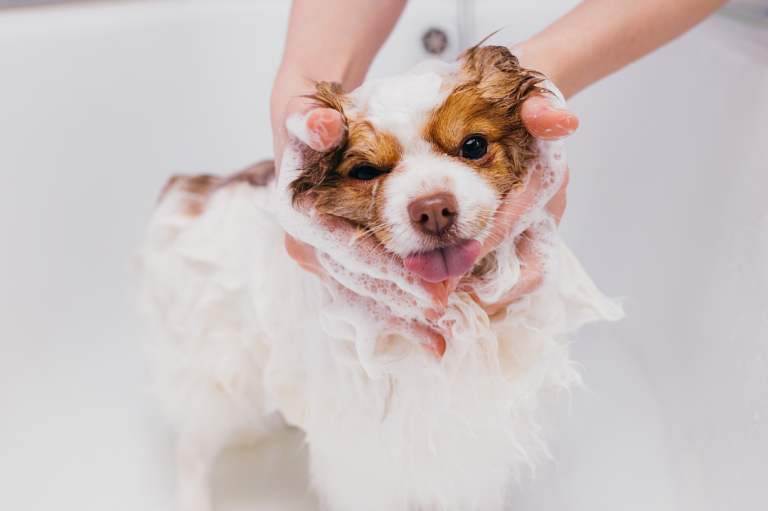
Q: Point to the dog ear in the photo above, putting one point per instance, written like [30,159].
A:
[498,74]
[329,95]
[318,166]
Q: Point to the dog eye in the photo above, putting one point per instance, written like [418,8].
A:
[365,172]
[474,148]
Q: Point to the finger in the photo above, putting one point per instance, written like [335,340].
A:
[303,254]
[531,278]
[298,104]
[534,268]
[429,338]
[436,290]
[434,319]
[325,129]
[450,284]
[431,315]
[558,202]
[320,128]
[546,122]
[512,212]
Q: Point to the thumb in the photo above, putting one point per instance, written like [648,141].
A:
[546,122]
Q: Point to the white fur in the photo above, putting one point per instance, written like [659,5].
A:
[424,172]
[237,331]
[400,105]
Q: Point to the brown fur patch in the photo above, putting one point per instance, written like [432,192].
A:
[488,102]
[256,175]
[197,190]
[326,175]
[351,198]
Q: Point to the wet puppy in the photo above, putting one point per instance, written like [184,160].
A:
[238,334]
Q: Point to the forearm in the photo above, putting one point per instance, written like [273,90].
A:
[600,37]
[332,41]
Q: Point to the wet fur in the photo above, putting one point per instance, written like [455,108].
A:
[487,101]
[196,190]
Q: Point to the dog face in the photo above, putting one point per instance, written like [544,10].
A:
[427,157]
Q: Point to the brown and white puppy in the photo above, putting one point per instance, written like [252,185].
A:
[236,331]
[427,180]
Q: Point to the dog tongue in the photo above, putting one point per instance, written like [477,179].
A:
[444,263]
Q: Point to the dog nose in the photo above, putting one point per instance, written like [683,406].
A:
[434,214]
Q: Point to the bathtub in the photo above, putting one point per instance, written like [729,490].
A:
[668,207]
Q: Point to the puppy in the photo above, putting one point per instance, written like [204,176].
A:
[238,334]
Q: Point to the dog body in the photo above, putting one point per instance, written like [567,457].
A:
[238,333]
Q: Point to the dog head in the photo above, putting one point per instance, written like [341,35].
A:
[426,157]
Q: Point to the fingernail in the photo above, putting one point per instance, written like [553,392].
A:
[326,129]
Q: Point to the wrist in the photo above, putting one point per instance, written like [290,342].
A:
[296,76]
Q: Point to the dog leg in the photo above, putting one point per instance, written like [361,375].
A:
[194,461]
[215,418]
[196,451]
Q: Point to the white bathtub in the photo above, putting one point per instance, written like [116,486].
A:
[100,102]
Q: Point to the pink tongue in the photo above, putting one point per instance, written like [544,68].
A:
[444,263]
